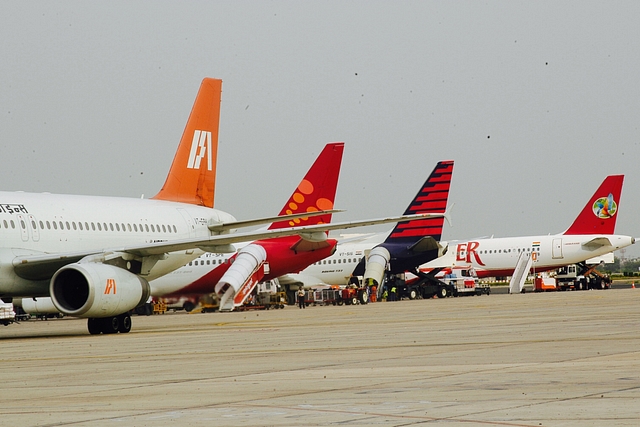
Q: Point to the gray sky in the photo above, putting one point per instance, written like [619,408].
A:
[535,101]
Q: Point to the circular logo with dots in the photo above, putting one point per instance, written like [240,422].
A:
[304,201]
[605,207]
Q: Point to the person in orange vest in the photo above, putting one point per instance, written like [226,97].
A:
[374,293]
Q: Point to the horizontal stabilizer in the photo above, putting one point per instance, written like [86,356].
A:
[425,244]
[596,243]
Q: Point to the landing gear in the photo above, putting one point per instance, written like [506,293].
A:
[110,325]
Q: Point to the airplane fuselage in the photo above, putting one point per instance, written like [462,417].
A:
[34,223]
[497,257]
[337,268]
[202,274]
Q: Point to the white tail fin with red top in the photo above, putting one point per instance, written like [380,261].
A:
[599,214]
[192,177]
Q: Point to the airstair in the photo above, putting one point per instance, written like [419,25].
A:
[248,269]
[516,285]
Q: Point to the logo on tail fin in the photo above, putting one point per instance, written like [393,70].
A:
[200,147]
[605,207]
[304,196]
[317,190]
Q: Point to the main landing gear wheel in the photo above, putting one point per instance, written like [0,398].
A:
[110,325]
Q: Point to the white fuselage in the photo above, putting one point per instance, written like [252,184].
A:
[337,269]
[32,224]
[489,257]
[498,256]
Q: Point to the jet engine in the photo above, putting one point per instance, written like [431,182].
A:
[41,305]
[245,264]
[376,265]
[96,290]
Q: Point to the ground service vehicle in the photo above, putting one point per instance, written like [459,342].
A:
[352,295]
[581,277]
[465,282]
[7,315]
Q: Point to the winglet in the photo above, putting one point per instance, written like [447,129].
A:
[192,176]
[316,191]
[432,197]
[599,214]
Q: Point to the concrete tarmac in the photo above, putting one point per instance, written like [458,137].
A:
[553,359]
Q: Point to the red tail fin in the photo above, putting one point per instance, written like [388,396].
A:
[317,191]
[192,177]
[599,215]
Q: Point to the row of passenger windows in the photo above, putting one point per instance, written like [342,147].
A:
[92,226]
[211,261]
[505,251]
[338,261]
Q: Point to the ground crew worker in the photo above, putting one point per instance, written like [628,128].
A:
[301,298]
[374,294]
[393,294]
[385,295]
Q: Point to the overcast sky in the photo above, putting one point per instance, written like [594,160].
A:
[535,101]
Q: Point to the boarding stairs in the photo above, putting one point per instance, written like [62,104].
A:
[516,284]
[248,268]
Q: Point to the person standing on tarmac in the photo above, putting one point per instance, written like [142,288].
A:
[392,294]
[301,298]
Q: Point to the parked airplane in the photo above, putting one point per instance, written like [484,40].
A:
[95,255]
[409,244]
[268,259]
[590,235]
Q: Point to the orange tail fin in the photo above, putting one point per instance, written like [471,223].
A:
[317,191]
[192,176]
[599,214]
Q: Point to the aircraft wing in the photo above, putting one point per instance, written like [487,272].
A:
[41,266]
[307,280]
[226,226]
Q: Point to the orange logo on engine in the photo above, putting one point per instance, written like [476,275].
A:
[111,286]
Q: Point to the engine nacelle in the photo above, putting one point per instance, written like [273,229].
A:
[96,290]
[245,263]
[376,265]
[40,305]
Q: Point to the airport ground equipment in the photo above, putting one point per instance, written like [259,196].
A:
[352,295]
[7,315]
[581,277]
[272,300]
[520,273]
[544,284]
[574,277]
[465,282]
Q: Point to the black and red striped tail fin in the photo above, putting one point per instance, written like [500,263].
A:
[432,198]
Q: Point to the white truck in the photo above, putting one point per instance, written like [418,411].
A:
[7,315]
[465,282]
[581,277]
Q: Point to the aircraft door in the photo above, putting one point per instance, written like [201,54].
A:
[556,249]
[190,223]
[22,224]
[35,234]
